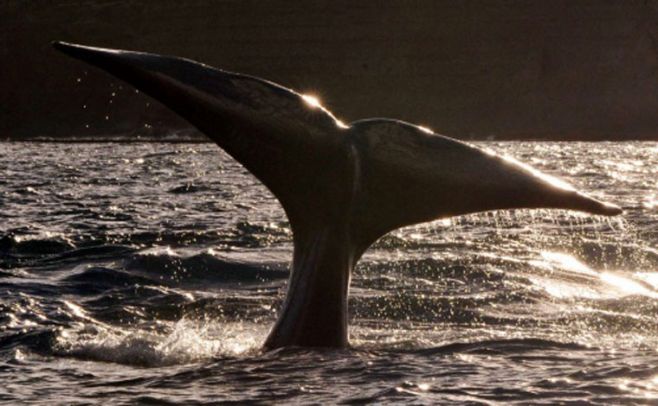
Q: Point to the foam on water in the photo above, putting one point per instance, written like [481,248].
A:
[181,342]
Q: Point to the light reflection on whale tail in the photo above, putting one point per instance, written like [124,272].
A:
[341,186]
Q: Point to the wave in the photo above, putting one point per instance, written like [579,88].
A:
[39,341]
[13,245]
[203,268]
[97,279]
[4,274]
[502,346]
[188,188]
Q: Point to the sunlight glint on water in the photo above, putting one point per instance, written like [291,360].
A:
[153,272]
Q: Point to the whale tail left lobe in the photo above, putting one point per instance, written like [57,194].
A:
[282,137]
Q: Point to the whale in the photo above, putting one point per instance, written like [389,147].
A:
[342,185]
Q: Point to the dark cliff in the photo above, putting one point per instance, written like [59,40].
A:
[510,69]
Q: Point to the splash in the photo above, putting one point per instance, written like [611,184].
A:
[184,342]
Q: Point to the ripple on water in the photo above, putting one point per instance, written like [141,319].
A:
[137,273]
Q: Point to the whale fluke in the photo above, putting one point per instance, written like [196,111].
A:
[341,186]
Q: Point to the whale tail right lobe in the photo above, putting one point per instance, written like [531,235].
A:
[410,175]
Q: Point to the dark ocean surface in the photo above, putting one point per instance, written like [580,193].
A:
[151,273]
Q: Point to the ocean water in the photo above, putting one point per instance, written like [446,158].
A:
[151,274]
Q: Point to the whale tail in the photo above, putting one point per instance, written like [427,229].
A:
[410,175]
[341,186]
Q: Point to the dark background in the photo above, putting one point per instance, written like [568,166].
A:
[469,69]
